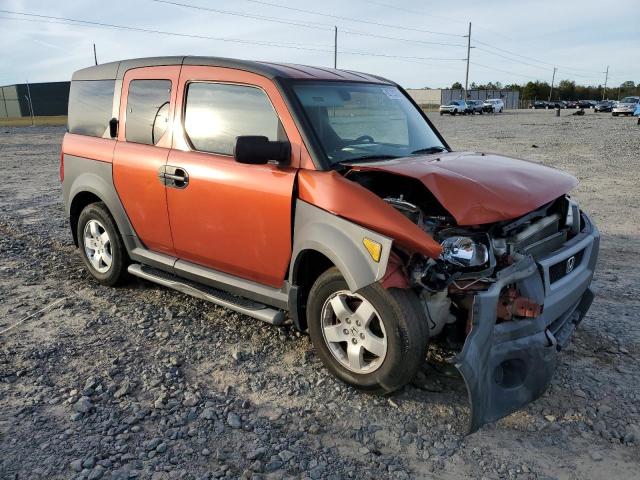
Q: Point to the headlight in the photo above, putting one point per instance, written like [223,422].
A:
[464,252]
[572,220]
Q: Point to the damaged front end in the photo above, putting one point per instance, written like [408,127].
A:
[505,297]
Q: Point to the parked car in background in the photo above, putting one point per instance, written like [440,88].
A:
[571,104]
[454,107]
[604,106]
[277,191]
[626,106]
[496,104]
[556,104]
[475,106]
[586,104]
[538,104]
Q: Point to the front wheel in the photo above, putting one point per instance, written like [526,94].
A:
[374,339]
[101,246]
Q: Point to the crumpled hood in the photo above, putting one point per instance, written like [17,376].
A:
[479,188]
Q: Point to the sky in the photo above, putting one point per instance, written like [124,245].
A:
[415,43]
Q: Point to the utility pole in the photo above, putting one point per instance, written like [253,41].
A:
[335,47]
[30,103]
[466,79]
[606,77]
[553,79]
[95,55]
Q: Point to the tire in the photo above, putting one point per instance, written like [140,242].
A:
[395,318]
[441,113]
[98,233]
[453,112]
[614,114]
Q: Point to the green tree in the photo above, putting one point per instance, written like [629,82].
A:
[456,86]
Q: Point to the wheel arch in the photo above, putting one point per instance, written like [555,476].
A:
[87,182]
[323,240]
[305,270]
[78,203]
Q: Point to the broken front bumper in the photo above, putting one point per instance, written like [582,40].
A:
[507,365]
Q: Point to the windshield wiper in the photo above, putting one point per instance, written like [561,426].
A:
[368,158]
[429,150]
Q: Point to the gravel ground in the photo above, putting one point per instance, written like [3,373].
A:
[142,382]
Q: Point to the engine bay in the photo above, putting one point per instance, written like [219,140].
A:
[471,255]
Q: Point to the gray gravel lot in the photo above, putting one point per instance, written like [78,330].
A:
[142,382]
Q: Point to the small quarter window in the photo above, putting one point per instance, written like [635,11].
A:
[215,114]
[90,107]
[147,110]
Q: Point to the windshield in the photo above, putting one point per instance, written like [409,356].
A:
[629,100]
[365,121]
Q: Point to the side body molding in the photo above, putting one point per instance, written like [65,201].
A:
[341,242]
[84,175]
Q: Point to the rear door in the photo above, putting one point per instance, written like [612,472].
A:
[231,217]
[144,139]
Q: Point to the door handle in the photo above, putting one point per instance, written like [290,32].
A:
[174,177]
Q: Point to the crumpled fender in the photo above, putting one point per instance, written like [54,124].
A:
[334,193]
[478,188]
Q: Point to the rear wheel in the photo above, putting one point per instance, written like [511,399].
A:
[374,339]
[101,246]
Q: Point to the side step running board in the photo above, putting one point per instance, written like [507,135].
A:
[224,299]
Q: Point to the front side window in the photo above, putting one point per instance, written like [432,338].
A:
[359,121]
[216,113]
[147,110]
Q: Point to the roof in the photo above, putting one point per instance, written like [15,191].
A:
[116,70]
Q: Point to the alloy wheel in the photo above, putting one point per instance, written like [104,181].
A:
[97,246]
[353,331]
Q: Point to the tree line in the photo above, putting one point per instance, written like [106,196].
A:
[564,90]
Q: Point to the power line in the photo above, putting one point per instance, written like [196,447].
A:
[430,15]
[312,12]
[564,67]
[539,67]
[500,70]
[78,22]
[407,40]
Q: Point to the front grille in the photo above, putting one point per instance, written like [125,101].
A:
[563,268]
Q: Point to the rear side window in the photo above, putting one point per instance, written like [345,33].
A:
[147,110]
[90,106]
[215,114]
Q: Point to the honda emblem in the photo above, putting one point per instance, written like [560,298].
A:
[571,262]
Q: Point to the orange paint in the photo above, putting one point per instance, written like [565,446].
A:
[234,217]
[334,193]
[136,167]
[93,148]
[482,188]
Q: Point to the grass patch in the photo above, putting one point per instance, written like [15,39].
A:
[39,121]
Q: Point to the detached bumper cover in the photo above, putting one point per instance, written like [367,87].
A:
[507,365]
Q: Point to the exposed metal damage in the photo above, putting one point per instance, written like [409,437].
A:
[503,297]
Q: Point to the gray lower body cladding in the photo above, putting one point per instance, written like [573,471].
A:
[506,366]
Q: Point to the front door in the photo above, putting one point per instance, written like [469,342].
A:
[146,109]
[231,217]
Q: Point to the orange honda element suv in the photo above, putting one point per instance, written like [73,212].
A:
[328,197]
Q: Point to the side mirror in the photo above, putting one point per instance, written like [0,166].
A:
[113,127]
[258,150]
